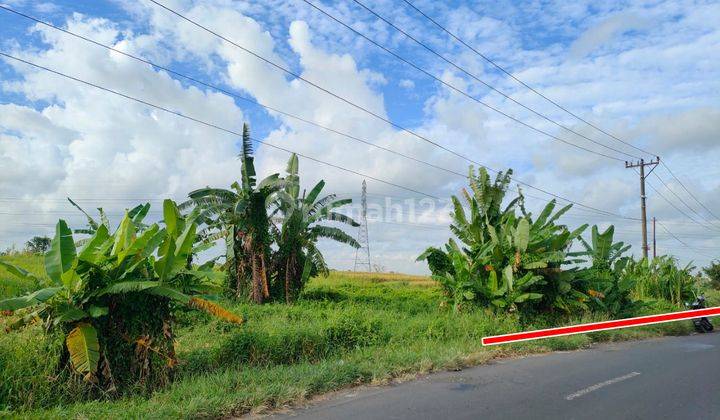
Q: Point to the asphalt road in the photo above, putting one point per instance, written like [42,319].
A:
[667,378]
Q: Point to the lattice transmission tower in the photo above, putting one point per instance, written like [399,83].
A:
[362,254]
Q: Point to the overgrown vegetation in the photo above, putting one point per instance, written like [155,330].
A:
[343,330]
[713,272]
[112,300]
[508,260]
[107,328]
[245,217]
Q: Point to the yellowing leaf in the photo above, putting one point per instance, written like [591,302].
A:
[215,309]
[84,348]
[595,293]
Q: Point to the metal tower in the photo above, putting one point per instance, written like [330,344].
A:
[362,254]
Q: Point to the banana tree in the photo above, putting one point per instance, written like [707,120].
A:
[137,213]
[518,259]
[483,206]
[298,257]
[460,280]
[470,278]
[240,216]
[607,281]
[548,251]
[113,297]
[663,278]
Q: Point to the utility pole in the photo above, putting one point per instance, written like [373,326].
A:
[362,254]
[654,241]
[643,208]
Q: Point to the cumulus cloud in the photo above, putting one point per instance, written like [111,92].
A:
[64,139]
[88,143]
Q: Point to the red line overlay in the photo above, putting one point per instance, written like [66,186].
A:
[600,326]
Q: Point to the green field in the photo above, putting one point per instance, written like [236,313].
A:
[345,330]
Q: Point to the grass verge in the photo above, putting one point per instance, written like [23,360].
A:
[347,329]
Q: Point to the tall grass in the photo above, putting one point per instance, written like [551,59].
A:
[11,286]
[344,330]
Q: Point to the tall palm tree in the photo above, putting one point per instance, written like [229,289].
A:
[298,256]
[239,214]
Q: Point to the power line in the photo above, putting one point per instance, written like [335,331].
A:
[667,187]
[236,133]
[228,92]
[681,241]
[690,193]
[97,199]
[462,92]
[679,209]
[435,226]
[683,222]
[101,199]
[497,66]
[211,125]
[471,75]
[361,108]
[343,99]
[521,82]
[249,100]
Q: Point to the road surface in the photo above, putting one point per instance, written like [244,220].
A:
[667,378]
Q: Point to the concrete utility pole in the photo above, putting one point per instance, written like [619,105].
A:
[654,241]
[643,209]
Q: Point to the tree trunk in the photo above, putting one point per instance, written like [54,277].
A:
[287,281]
[240,263]
[257,293]
[241,277]
[263,273]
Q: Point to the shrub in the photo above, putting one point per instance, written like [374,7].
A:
[713,272]
[112,299]
[663,278]
[505,261]
[353,329]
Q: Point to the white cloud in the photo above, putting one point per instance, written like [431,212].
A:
[89,143]
[654,90]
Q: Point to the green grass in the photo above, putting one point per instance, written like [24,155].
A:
[9,285]
[345,330]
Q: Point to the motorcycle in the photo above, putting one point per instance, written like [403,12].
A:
[702,325]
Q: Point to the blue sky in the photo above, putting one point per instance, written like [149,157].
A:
[646,71]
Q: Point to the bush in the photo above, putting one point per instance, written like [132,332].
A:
[308,343]
[713,272]
[354,329]
[112,300]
